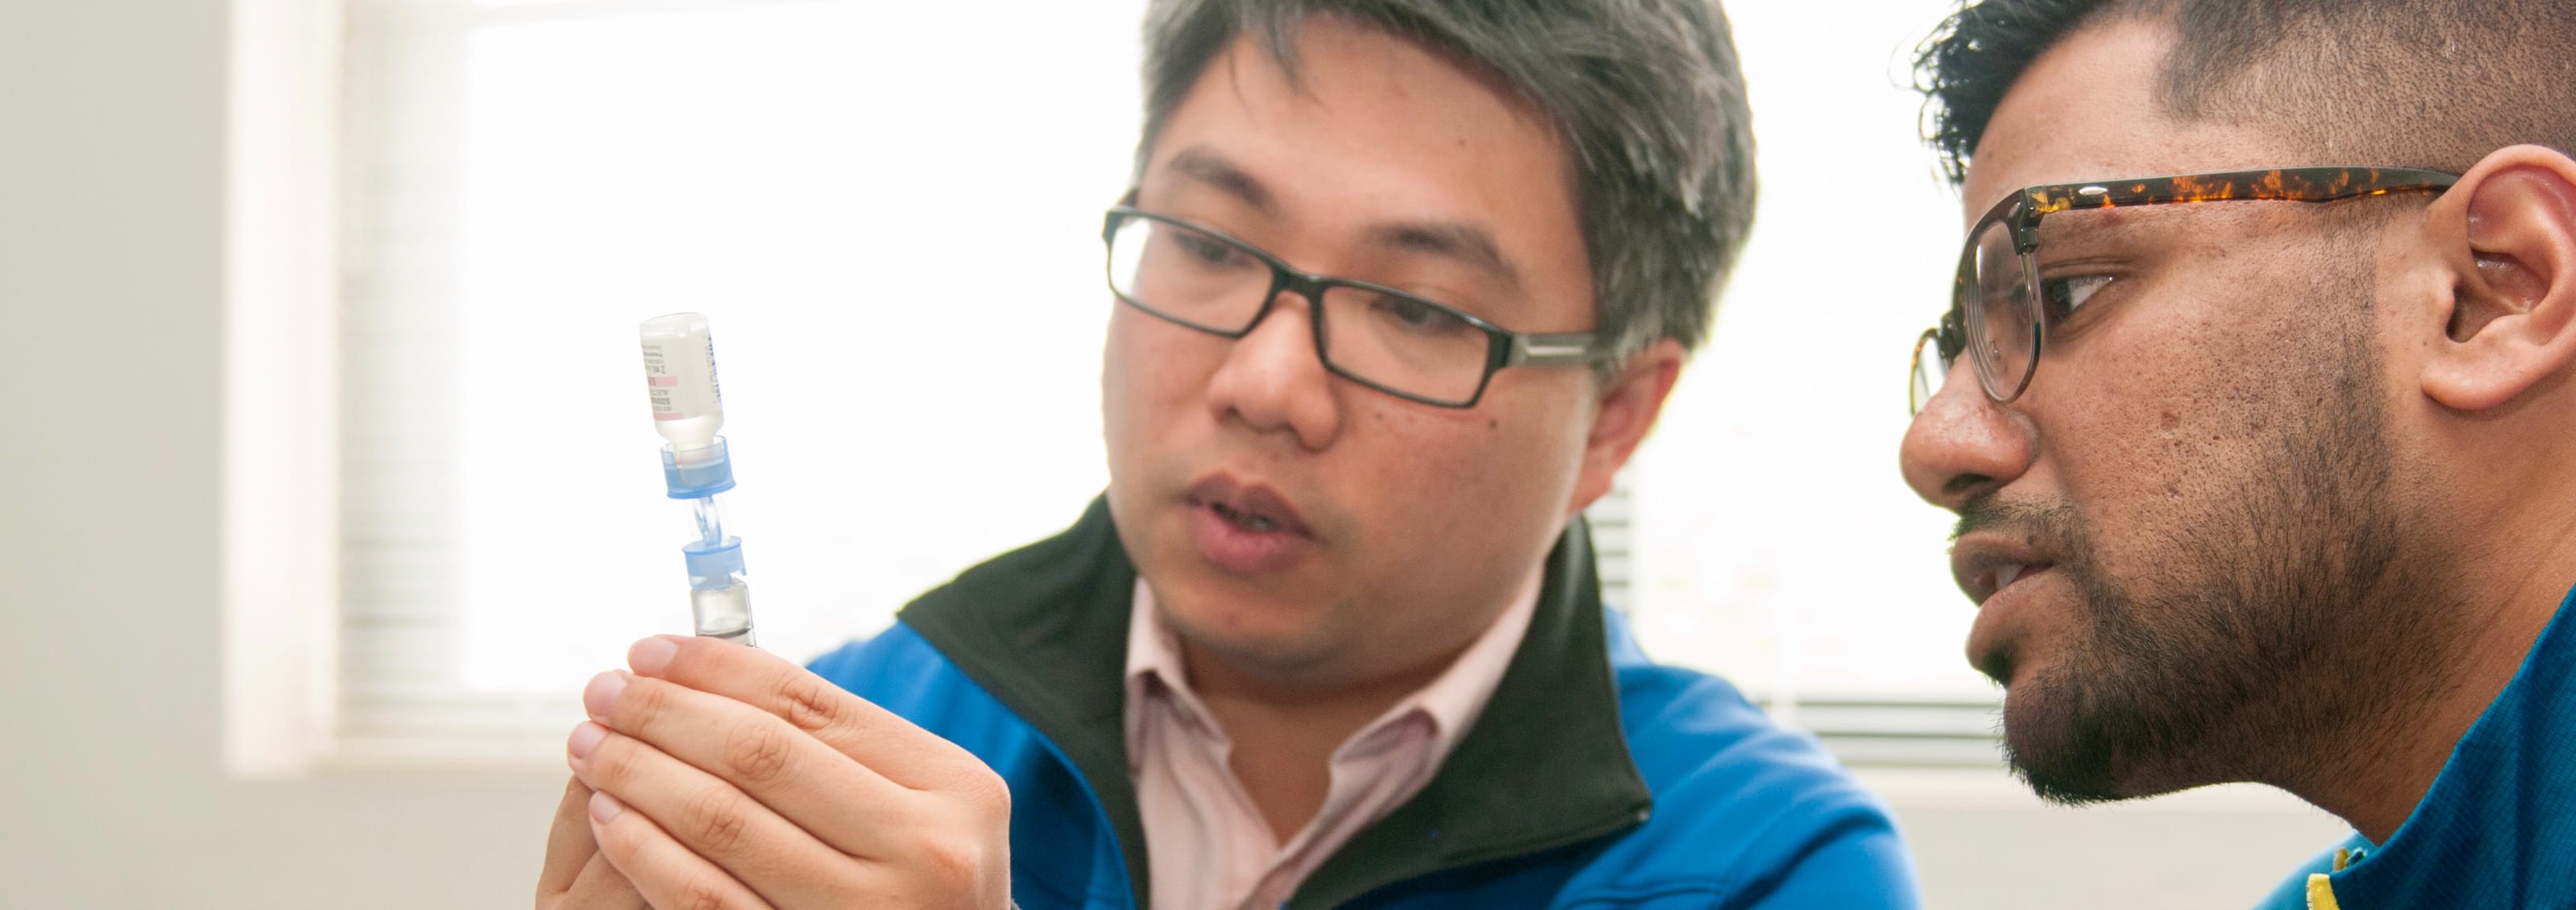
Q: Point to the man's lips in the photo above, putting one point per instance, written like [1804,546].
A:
[1244,529]
[1252,508]
[1984,565]
[1999,575]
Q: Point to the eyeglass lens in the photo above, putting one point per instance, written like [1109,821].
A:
[1999,303]
[1395,341]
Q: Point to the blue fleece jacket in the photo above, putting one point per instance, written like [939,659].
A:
[2497,828]
[1594,779]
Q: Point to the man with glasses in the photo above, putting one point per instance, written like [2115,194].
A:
[2267,472]
[1397,290]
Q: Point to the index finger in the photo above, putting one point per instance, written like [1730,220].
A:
[891,746]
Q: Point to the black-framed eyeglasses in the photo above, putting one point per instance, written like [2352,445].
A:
[1393,341]
[2001,307]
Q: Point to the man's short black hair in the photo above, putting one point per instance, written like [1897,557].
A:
[2420,83]
[1648,94]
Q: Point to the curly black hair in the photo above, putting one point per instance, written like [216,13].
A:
[2420,83]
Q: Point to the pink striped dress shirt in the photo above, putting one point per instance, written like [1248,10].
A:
[1207,844]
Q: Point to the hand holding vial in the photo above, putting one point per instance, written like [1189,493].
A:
[721,776]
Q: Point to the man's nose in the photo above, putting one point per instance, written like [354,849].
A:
[1964,444]
[1274,380]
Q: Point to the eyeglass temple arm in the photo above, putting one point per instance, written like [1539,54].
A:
[2306,184]
[1552,350]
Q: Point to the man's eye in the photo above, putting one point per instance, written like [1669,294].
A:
[1409,312]
[2064,295]
[1416,316]
[1205,249]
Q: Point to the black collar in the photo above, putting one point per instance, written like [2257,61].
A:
[1044,630]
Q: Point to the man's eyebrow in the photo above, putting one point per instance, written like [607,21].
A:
[1208,166]
[1466,243]
[2082,230]
[2093,226]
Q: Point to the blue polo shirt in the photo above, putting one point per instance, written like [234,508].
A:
[2497,828]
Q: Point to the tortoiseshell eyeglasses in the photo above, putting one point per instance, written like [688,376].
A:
[2001,306]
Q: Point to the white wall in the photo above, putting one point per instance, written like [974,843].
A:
[111,131]
[110,793]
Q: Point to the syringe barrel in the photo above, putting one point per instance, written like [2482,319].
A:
[719,597]
[723,612]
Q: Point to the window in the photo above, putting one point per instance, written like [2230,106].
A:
[890,214]
[1777,544]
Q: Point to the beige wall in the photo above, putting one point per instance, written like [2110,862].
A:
[111,137]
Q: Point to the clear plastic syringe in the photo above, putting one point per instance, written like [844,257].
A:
[688,409]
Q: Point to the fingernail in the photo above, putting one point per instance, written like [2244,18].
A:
[651,655]
[586,737]
[604,807]
[602,692]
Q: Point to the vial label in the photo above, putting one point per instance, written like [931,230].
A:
[680,376]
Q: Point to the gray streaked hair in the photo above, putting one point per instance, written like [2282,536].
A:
[1647,94]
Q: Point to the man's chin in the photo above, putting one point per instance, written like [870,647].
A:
[1249,637]
[2064,752]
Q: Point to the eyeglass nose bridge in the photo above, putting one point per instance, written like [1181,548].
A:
[1311,287]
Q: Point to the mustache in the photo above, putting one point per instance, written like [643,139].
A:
[2058,529]
[2051,523]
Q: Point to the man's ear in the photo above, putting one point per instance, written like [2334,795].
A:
[2512,322]
[1630,400]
